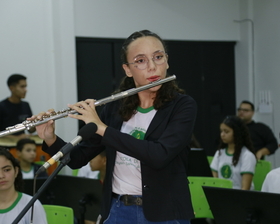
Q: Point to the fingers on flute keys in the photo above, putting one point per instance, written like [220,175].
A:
[42,115]
[80,106]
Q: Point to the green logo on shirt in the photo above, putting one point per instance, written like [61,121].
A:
[226,171]
[138,134]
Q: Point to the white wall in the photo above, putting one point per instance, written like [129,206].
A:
[243,54]
[267,66]
[37,40]
[257,67]
[178,19]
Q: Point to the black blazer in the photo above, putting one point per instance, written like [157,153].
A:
[163,155]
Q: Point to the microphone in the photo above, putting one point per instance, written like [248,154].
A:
[84,133]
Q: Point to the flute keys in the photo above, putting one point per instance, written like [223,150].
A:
[45,116]
[52,113]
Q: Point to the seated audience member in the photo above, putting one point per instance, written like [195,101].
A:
[235,159]
[12,109]
[26,151]
[98,163]
[12,200]
[263,139]
[86,171]
[271,183]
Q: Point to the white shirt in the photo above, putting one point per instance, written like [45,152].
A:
[271,183]
[10,214]
[127,172]
[86,171]
[29,174]
[222,163]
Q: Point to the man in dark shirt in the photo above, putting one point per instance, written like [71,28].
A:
[262,136]
[12,109]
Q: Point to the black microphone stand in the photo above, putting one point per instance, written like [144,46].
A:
[64,161]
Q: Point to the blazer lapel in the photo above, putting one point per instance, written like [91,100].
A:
[158,118]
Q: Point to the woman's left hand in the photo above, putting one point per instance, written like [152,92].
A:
[87,113]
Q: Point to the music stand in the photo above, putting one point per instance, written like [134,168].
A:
[198,164]
[70,191]
[232,206]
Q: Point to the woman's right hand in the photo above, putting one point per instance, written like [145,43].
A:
[45,131]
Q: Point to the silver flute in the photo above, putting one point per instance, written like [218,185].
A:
[64,113]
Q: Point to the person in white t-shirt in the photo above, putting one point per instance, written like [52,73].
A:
[271,183]
[235,159]
[12,200]
[86,171]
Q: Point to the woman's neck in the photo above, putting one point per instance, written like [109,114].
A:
[7,198]
[147,99]
[231,148]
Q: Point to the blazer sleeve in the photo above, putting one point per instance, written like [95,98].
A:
[168,134]
[81,153]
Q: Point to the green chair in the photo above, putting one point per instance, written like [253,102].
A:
[59,214]
[262,168]
[40,162]
[210,158]
[75,172]
[199,200]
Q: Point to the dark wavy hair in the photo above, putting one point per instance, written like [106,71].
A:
[166,93]
[22,142]
[18,180]
[14,79]
[250,103]
[241,137]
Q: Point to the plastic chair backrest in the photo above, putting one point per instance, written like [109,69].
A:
[210,158]
[199,200]
[39,162]
[262,168]
[59,214]
[75,172]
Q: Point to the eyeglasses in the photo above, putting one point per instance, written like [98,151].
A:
[141,61]
[244,110]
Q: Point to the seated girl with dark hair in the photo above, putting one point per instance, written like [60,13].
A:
[12,200]
[235,159]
